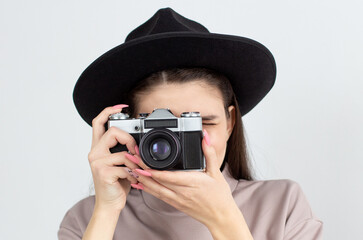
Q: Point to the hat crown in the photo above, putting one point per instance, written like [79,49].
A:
[163,21]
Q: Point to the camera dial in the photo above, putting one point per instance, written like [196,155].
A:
[118,116]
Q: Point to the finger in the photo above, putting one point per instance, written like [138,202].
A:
[176,178]
[139,162]
[177,188]
[113,136]
[98,123]
[116,173]
[157,189]
[134,177]
[118,158]
[211,160]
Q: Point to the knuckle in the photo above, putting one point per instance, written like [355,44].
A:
[113,131]
[131,138]
[98,119]
[102,174]
[187,195]
[161,194]
[91,156]
[95,121]
[95,166]
[171,180]
[107,181]
[118,155]
[121,156]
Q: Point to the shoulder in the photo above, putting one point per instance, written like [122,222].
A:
[82,210]
[284,193]
[279,188]
[269,184]
[76,219]
[272,191]
[281,200]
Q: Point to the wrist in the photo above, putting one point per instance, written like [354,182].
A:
[106,210]
[102,224]
[229,225]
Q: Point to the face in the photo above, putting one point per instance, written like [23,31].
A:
[194,97]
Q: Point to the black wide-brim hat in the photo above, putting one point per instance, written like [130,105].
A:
[169,40]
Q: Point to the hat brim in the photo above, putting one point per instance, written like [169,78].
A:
[248,65]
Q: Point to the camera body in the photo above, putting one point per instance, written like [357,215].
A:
[165,141]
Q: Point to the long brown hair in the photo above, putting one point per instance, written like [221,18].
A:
[236,153]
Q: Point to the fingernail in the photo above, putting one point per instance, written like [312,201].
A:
[137,186]
[132,158]
[206,137]
[120,106]
[142,172]
[131,173]
[137,150]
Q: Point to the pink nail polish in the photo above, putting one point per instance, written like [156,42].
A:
[142,172]
[206,137]
[137,186]
[120,106]
[137,150]
[132,158]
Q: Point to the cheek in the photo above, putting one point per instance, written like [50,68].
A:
[218,141]
[221,150]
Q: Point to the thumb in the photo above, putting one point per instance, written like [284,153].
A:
[210,155]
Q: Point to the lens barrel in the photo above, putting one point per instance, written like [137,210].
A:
[160,148]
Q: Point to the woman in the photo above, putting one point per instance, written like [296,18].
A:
[223,202]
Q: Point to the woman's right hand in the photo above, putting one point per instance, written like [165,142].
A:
[112,183]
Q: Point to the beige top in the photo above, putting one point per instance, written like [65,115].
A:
[273,209]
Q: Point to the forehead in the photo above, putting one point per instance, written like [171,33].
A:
[184,97]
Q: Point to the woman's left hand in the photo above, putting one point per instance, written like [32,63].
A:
[205,196]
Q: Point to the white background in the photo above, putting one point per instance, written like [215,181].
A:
[308,128]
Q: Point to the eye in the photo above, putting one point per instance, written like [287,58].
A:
[209,124]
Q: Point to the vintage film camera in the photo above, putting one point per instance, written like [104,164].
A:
[165,141]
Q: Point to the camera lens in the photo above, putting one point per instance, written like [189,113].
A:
[160,149]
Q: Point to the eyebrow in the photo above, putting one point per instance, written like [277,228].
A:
[209,117]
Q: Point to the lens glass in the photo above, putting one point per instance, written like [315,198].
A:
[160,149]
